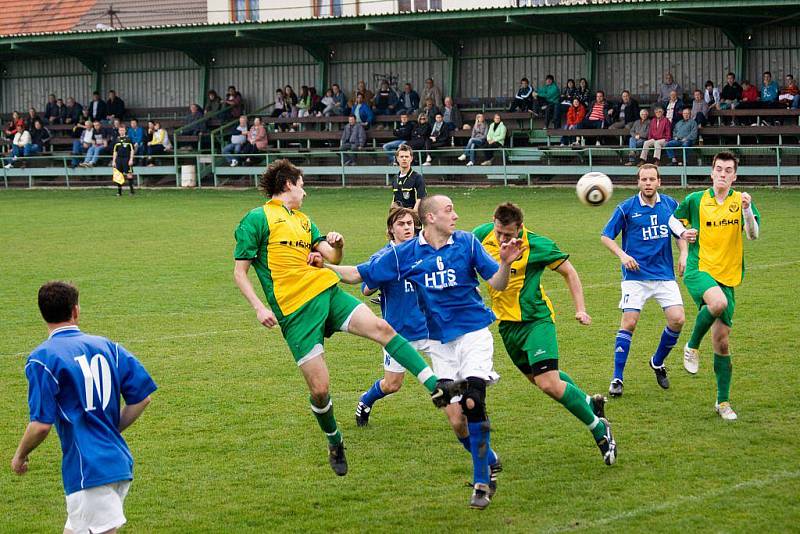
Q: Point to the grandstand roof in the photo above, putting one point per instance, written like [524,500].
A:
[42,16]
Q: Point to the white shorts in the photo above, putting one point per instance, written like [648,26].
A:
[636,292]
[422,345]
[97,509]
[467,355]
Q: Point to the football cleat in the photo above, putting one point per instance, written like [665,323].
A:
[446,390]
[599,405]
[362,414]
[337,459]
[494,469]
[661,375]
[607,444]
[691,359]
[615,389]
[480,497]
[725,411]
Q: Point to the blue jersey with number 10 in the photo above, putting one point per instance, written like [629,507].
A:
[445,279]
[75,381]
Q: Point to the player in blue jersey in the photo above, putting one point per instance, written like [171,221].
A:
[444,264]
[75,381]
[647,270]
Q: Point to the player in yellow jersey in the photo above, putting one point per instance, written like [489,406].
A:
[716,218]
[278,240]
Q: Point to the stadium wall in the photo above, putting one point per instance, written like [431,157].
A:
[776,50]
[27,83]
[155,79]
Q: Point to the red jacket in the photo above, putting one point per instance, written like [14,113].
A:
[750,94]
[660,129]
[575,115]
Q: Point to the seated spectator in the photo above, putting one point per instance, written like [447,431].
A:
[213,103]
[731,93]
[429,110]
[51,112]
[769,91]
[624,114]
[97,108]
[749,99]
[667,87]
[362,112]
[115,107]
[339,101]
[354,137]
[146,138]
[547,96]
[316,102]
[584,93]
[85,140]
[684,134]
[568,94]
[790,95]
[432,92]
[495,138]
[280,109]
[238,139]
[32,117]
[712,96]
[233,99]
[195,115]
[257,140]
[40,139]
[16,124]
[639,133]
[61,110]
[659,133]
[385,100]
[159,143]
[673,107]
[401,136]
[74,112]
[136,137]
[304,102]
[328,104]
[699,111]
[408,101]
[575,116]
[439,137]
[597,112]
[452,117]
[477,140]
[21,142]
[421,133]
[523,100]
[101,143]
[369,96]
[291,100]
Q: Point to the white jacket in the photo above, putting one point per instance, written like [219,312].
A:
[22,138]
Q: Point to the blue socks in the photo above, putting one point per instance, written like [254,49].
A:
[373,394]
[492,455]
[622,347]
[479,447]
[668,340]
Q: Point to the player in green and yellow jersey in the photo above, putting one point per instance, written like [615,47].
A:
[286,248]
[526,319]
[716,218]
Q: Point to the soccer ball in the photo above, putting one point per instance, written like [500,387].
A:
[594,188]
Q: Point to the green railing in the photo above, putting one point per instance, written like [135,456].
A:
[218,134]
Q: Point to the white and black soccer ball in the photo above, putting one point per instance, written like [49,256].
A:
[594,188]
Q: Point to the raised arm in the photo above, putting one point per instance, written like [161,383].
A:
[575,290]
[331,248]
[509,252]
[750,222]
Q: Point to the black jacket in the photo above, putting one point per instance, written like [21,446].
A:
[101,113]
[115,107]
[73,113]
[422,131]
[40,137]
[444,133]
[404,131]
[631,111]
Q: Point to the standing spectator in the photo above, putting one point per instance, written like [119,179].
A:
[158,144]
[568,94]
[667,87]
[136,137]
[16,124]
[731,93]
[451,115]
[257,140]
[495,138]
[354,137]
[790,95]
[304,102]
[439,137]
[40,139]
[101,143]
[477,140]
[291,100]
[711,95]
[32,117]
[673,107]
[74,112]
[575,116]
[626,113]
[584,93]
[408,186]
[639,132]
[328,104]
[84,141]
[408,101]
[421,133]
[547,96]
[700,108]
[362,111]
[97,108]
[213,102]
[523,100]
[684,134]
[432,92]
[21,142]
[769,91]
[195,115]
[401,136]
[115,107]
[597,113]
[659,133]
[51,111]
[238,139]
[339,101]
[429,110]
[233,99]
[385,100]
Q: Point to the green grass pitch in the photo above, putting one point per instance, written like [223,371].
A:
[229,443]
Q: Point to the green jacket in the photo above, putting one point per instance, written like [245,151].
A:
[497,133]
[549,93]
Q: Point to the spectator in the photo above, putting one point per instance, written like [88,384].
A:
[568,94]
[684,134]
[115,107]
[639,132]
[673,107]
[575,116]
[22,139]
[16,124]
[547,100]
[769,91]
[597,113]
[328,104]
[213,103]
[257,140]
[354,137]
[238,139]
[421,133]
[233,99]
[194,115]
[584,93]
[32,117]
[339,101]
[476,140]
[147,137]
[451,115]
[369,96]
[495,138]
[100,144]
[659,133]
[280,109]
[159,143]
[136,137]
[304,102]
[40,139]
[667,87]
[385,100]
[731,93]
[316,101]
[429,110]
[61,110]
[362,111]
[432,92]
[291,100]
[699,111]
[74,112]
[439,137]
[408,101]
[523,100]
[790,96]
[626,113]
[711,95]
[51,111]
[749,98]
[402,134]
[97,108]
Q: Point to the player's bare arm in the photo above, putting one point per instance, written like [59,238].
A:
[629,262]
[35,434]
[131,412]
[348,273]
[683,254]
[750,222]
[263,314]
[576,291]
[509,252]
[332,248]
[678,228]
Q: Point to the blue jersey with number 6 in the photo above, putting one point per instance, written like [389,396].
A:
[75,381]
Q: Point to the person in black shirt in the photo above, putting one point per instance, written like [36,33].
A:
[122,161]
[408,186]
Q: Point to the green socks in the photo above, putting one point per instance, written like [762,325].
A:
[566,378]
[723,369]
[701,325]
[327,422]
[574,400]
[399,349]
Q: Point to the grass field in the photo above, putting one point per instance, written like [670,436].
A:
[229,443]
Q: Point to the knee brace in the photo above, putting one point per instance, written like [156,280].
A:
[476,392]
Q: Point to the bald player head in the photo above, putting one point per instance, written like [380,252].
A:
[438,215]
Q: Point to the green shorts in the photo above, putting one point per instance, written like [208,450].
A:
[529,343]
[305,330]
[698,282]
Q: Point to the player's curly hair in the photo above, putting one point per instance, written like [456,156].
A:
[726,156]
[273,181]
[395,214]
[509,213]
